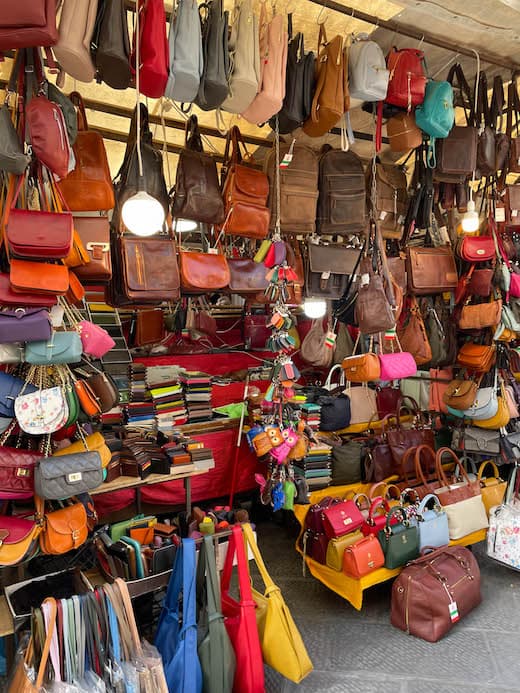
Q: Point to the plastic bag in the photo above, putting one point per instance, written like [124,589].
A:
[153,661]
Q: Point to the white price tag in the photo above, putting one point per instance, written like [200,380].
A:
[212,251]
[325,275]
[514,213]
[365,279]
[382,215]
[500,214]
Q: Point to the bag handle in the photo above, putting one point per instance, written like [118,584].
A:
[192,138]
[419,472]
[496,473]
[378,502]
[440,470]
[322,41]
[360,496]
[77,100]
[397,509]
[236,547]
[249,541]
[426,500]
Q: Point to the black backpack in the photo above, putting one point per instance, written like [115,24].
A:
[110,45]
[213,89]
[299,85]
[342,200]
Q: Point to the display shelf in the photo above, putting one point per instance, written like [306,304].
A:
[352,589]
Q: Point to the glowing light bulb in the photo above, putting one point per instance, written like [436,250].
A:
[143,214]
[470,220]
[314,308]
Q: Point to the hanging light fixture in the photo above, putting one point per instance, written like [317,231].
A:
[314,308]
[185,225]
[142,213]
[470,221]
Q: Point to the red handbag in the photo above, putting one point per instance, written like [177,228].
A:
[477,248]
[153,48]
[240,619]
[27,23]
[48,132]
[387,400]
[407,80]
[375,522]
[17,473]
[342,518]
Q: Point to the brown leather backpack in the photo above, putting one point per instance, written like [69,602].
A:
[342,199]
[298,189]
[391,198]
[331,96]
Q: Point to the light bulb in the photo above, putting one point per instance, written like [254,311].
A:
[314,308]
[185,225]
[470,220]
[143,214]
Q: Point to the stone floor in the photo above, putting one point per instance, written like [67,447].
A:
[361,652]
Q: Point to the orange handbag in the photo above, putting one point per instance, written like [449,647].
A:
[89,186]
[201,272]
[38,277]
[76,292]
[480,315]
[362,558]
[63,530]
[78,256]
[476,357]
[87,398]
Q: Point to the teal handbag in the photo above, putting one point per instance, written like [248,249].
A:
[436,115]
[62,347]
[400,542]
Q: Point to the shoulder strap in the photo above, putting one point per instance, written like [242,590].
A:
[236,548]
[50,630]
[250,542]
[192,138]
[497,103]
[77,100]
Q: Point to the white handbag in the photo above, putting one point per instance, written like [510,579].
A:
[466,517]
[11,353]
[368,75]
[41,412]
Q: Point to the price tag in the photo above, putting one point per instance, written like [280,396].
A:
[212,251]
[365,279]
[325,275]
[382,215]
[454,612]
[500,213]
[284,163]
[330,339]
[514,213]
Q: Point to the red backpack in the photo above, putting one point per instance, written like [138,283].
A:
[407,80]
[154,52]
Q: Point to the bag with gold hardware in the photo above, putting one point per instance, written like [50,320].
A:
[363,557]
[62,530]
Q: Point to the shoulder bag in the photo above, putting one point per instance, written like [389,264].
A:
[476,357]
[10,388]
[363,404]
[94,232]
[213,88]
[56,478]
[42,411]
[412,334]
[362,368]
[62,347]
[153,48]
[329,269]
[62,530]
[430,270]
[336,549]
[38,278]
[111,44]
[24,325]
[72,50]
[400,542]
[314,349]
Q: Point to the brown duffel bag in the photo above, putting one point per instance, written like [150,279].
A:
[435,591]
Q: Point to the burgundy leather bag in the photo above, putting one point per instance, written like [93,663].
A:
[154,53]
[17,473]
[401,439]
[48,132]
[27,23]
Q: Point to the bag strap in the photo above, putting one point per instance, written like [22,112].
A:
[236,548]
[250,542]
[426,500]
[496,473]
[483,115]
[77,100]
[322,41]
[439,467]
[192,138]
[50,628]
[456,73]
[497,104]
[419,472]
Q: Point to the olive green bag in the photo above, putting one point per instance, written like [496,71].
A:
[400,542]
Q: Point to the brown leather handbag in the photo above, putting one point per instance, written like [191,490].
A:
[431,270]
[480,315]
[403,133]
[412,334]
[63,530]
[94,233]
[201,272]
[246,276]
[513,113]
[512,200]
[460,394]
[149,326]
[391,198]
[476,357]
[89,186]
[245,193]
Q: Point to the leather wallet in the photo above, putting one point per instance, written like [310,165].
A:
[142,535]
[149,327]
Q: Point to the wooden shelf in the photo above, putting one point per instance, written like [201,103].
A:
[125,482]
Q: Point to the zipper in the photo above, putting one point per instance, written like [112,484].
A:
[406,609]
[60,128]
[139,265]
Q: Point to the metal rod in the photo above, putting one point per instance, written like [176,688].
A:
[417,33]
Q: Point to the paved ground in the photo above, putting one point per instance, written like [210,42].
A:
[360,652]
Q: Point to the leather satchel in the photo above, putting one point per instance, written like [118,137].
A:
[401,439]
[38,278]
[373,312]
[460,394]
[94,233]
[329,268]
[8,297]
[336,549]
[64,530]
[42,235]
[400,542]
[201,272]
[246,276]
[391,198]
[430,270]
[480,315]
[56,478]
[423,593]
[363,557]
[89,186]
[105,389]
[28,23]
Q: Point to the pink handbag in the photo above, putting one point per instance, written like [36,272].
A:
[400,364]
[514,287]
[95,340]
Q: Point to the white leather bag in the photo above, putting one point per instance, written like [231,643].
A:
[466,516]
[78,18]
[244,55]
[368,76]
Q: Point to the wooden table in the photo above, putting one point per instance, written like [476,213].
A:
[184,472]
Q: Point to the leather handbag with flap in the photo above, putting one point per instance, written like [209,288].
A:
[476,357]
[201,272]
[431,270]
[342,518]
[246,276]
[363,557]
[56,478]
[329,269]
[95,235]
[63,530]
[38,278]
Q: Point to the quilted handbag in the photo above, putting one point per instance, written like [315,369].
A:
[342,518]
[10,388]
[92,443]
[400,542]
[41,411]
[363,557]
[56,478]
[433,523]
[17,473]
[24,325]
[62,347]
[95,340]
[400,364]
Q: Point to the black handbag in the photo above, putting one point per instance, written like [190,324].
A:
[346,463]
[110,44]
[299,84]
[335,412]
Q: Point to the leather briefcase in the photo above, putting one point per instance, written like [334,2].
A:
[435,591]
[430,270]
[95,236]
[329,268]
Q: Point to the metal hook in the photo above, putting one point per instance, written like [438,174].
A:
[323,9]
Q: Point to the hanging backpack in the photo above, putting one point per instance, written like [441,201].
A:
[273,64]
[299,84]
[328,104]
[341,202]
[368,74]
[153,71]
[406,79]
[213,88]
[391,199]
[186,58]
[436,115]
[28,24]
[298,188]
[197,191]
[77,22]
[111,44]
[244,54]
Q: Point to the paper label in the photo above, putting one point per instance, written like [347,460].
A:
[325,275]
[212,251]
[286,160]
[500,214]
[514,212]
[382,215]
[454,612]
[365,279]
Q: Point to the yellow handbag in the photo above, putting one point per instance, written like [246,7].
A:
[492,488]
[336,548]
[92,443]
[282,646]
[501,418]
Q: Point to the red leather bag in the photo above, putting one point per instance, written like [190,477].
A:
[153,48]
[240,619]
[477,248]
[17,473]
[8,297]
[342,518]
[27,23]
[48,132]
[407,80]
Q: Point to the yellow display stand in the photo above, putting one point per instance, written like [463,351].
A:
[349,588]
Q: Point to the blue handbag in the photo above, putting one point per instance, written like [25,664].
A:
[176,637]
[62,347]
[433,524]
[10,388]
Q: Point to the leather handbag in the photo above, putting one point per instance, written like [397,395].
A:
[403,133]
[362,368]
[153,49]
[19,540]
[216,655]
[17,473]
[374,313]
[201,272]
[424,593]
[24,325]
[485,404]
[94,233]
[63,530]
[363,405]
[363,557]
[473,439]
[336,549]
[256,332]
[492,488]
[282,646]
[397,365]
[379,463]
[314,348]
[460,394]
[346,463]
[400,439]
[95,340]
[149,327]
[387,399]
[400,542]
[44,235]
[413,337]
[10,387]
[176,635]
[42,411]
[341,518]
[38,277]
[440,377]
[9,297]
[28,24]
[56,478]
[391,200]
[376,520]
[89,186]
[197,192]
[407,80]
[111,44]
[335,412]
[94,442]
[498,420]
[457,154]
[62,347]
[88,400]
[450,493]
[48,133]
[433,523]
[240,618]
[329,268]
[430,270]
[12,156]
[476,357]
[417,476]
[246,276]
[477,248]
